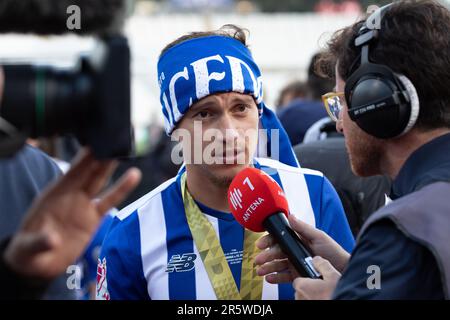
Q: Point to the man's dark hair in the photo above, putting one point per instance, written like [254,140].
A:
[296,89]
[228,30]
[318,85]
[414,40]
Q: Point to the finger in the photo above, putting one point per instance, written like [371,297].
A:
[273,267]
[118,192]
[273,253]
[265,242]
[277,278]
[31,243]
[99,178]
[83,157]
[305,230]
[300,286]
[81,171]
[324,267]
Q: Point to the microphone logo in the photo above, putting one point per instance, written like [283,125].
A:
[236,198]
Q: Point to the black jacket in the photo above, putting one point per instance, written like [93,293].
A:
[409,269]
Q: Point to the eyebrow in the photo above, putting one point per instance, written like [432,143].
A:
[205,104]
[243,99]
[201,105]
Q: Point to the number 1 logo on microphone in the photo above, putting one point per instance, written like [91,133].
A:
[236,194]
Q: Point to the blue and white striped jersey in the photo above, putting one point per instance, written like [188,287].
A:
[150,253]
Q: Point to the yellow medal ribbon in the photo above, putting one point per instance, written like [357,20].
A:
[214,260]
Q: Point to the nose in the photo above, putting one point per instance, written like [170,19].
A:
[228,128]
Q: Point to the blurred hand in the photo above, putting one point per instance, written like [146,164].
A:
[62,221]
[274,264]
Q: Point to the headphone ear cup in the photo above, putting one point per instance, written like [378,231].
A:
[413,101]
[370,105]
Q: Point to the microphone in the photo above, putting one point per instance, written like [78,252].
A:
[258,203]
[47,17]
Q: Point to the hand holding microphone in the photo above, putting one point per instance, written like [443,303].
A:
[258,203]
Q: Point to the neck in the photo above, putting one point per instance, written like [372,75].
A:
[398,150]
[205,191]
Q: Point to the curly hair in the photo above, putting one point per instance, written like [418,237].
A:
[414,40]
[227,30]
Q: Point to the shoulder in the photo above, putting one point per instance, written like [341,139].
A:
[146,201]
[383,241]
[295,176]
[37,161]
[415,206]
[379,248]
[281,167]
[30,170]
[146,212]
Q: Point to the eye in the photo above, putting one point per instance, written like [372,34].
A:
[202,114]
[242,108]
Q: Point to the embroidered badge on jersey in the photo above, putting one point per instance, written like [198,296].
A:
[102,285]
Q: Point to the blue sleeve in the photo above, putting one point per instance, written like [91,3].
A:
[332,217]
[120,261]
[387,265]
[91,254]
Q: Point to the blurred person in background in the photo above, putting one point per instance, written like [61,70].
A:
[23,177]
[298,116]
[293,91]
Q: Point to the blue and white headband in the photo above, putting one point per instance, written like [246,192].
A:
[199,67]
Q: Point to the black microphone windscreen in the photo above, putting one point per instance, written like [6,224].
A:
[49,17]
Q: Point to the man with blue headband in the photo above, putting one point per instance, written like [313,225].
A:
[169,243]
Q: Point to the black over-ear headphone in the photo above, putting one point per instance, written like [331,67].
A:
[382,103]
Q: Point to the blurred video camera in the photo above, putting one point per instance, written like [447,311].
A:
[90,100]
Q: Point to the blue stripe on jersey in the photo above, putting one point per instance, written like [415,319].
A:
[179,241]
[285,290]
[231,235]
[125,277]
[232,242]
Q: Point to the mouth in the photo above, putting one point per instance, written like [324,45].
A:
[231,157]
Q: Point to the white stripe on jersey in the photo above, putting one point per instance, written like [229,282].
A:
[154,248]
[270,291]
[141,202]
[204,288]
[294,185]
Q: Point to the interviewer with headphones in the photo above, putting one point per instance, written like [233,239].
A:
[392,103]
